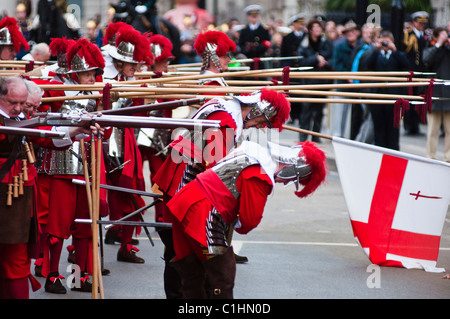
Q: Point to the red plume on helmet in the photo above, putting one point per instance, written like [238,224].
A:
[112,30]
[316,160]
[165,45]
[60,45]
[59,48]
[223,42]
[17,40]
[141,43]
[88,52]
[280,103]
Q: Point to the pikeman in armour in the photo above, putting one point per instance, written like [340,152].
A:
[58,72]
[233,194]
[68,201]
[18,216]
[132,49]
[262,108]
[11,39]
[153,142]
[215,48]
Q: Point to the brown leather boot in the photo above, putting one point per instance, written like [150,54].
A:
[128,254]
[220,273]
[192,275]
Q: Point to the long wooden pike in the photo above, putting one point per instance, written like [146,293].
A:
[300,130]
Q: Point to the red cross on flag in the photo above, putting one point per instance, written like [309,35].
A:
[397,203]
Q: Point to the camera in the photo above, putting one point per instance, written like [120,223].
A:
[384,43]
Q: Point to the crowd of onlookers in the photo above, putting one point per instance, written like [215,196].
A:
[317,42]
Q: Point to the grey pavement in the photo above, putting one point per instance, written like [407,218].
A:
[303,249]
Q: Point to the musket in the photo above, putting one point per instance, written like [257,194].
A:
[30,132]
[64,119]
[126,223]
[121,220]
[153,107]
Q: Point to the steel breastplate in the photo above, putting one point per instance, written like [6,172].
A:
[229,170]
[115,142]
[69,161]
[157,139]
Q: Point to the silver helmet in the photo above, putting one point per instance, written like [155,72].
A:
[297,168]
[5,37]
[61,61]
[304,164]
[123,52]
[259,106]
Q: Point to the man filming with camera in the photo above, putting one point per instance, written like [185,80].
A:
[384,56]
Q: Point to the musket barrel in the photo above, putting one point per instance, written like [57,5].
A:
[60,119]
[152,107]
[30,132]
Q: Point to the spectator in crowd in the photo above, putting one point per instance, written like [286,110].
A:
[384,56]
[23,11]
[342,62]
[291,42]
[254,39]
[39,52]
[233,29]
[289,47]
[415,41]
[190,20]
[317,51]
[93,32]
[359,111]
[53,20]
[330,30]
[437,58]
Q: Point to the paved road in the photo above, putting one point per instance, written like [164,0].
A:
[303,248]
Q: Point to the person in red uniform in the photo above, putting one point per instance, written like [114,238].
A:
[11,39]
[232,194]
[153,142]
[153,145]
[18,219]
[68,201]
[132,49]
[265,107]
[58,72]
[215,49]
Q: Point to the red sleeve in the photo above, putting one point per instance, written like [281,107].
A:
[254,186]
[219,142]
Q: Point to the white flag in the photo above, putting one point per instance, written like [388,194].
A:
[397,203]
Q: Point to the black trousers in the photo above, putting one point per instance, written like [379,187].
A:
[385,134]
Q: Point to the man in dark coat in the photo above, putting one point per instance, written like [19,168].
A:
[289,47]
[437,57]
[415,42]
[254,39]
[385,57]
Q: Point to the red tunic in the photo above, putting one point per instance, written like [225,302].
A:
[169,176]
[14,251]
[130,176]
[190,207]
